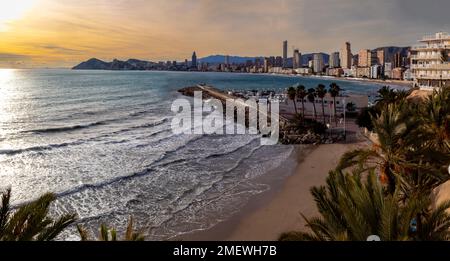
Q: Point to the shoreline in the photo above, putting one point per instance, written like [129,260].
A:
[277,210]
[395,83]
[390,82]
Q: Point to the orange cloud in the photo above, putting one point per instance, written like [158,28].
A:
[57,33]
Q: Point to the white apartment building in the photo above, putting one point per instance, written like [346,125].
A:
[430,61]
[318,63]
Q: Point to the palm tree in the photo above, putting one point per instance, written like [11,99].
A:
[386,96]
[411,151]
[352,208]
[292,95]
[312,98]
[392,127]
[31,221]
[301,94]
[321,91]
[435,118]
[106,234]
[334,92]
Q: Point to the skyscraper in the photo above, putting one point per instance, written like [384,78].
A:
[335,60]
[346,56]
[194,60]
[364,58]
[297,61]
[398,60]
[279,61]
[285,53]
[381,58]
[266,64]
[318,63]
[227,60]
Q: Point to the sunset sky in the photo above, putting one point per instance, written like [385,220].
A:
[61,33]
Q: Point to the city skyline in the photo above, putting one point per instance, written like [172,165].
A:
[48,33]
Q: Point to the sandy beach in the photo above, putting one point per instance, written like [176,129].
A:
[278,211]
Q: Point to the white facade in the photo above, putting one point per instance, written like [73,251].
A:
[388,70]
[430,62]
[318,64]
[335,61]
[349,72]
[303,71]
[375,71]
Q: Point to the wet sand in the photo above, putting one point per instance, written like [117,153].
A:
[268,215]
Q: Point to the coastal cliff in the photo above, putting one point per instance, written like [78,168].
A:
[97,64]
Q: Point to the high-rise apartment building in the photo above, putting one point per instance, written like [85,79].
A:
[346,56]
[278,61]
[227,60]
[194,60]
[388,70]
[297,60]
[285,53]
[430,61]
[381,58]
[365,58]
[318,64]
[266,64]
[335,61]
[398,60]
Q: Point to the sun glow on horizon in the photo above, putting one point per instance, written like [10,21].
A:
[13,10]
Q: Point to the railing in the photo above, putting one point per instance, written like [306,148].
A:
[430,46]
[444,66]
[438,36]
[433,77]
[428,57]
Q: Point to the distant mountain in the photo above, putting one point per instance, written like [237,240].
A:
[135,64]
[217,59]
[93,64]
[131,64]
[390,51]
[139,64]
[310,56]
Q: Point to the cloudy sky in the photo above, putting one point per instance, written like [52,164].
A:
[61,33]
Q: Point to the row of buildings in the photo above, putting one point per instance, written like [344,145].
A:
[373,64]
[426,64]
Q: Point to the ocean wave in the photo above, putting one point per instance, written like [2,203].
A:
[94,124]
[38,148]
[67,128]
[48,147]
[145,171]
[216,155]
[83,187]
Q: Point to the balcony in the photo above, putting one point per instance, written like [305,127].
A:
[439,57]
[443,66]
[433,77]
[436,37]
[429,47]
